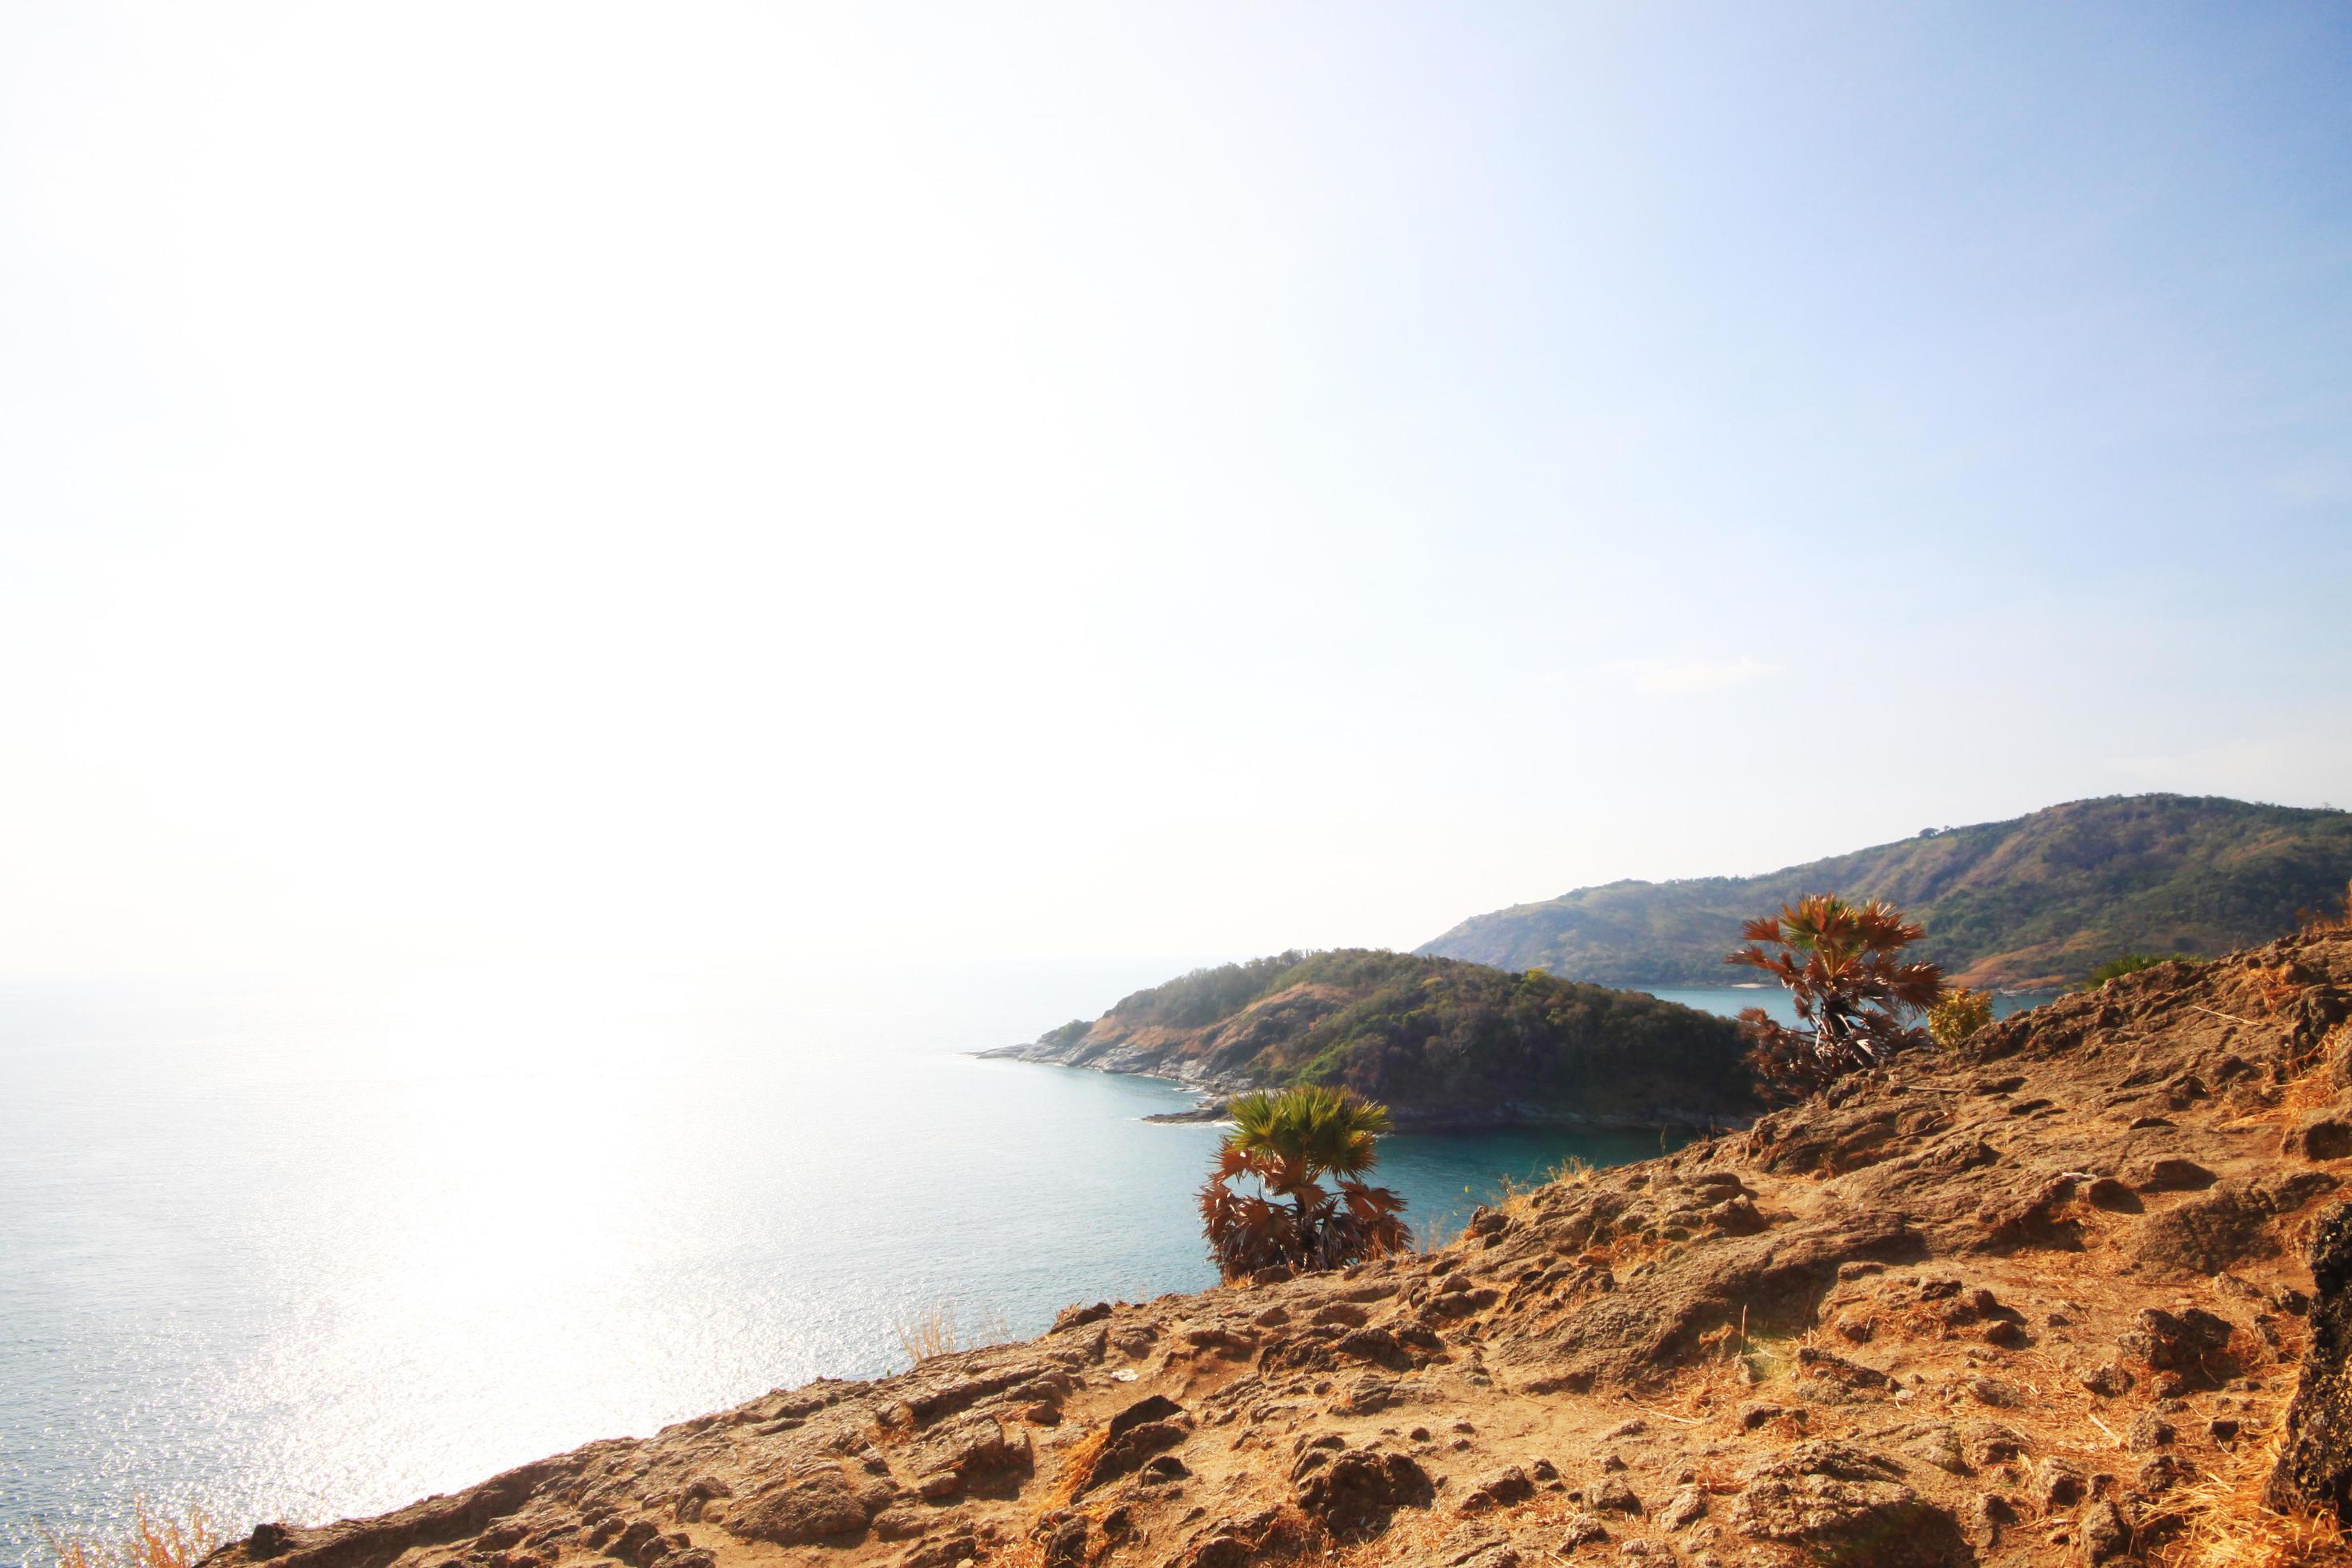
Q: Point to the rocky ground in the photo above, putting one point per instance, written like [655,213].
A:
[2045,1299]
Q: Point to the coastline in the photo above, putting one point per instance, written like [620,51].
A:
[1287,1417]
[1215,1092]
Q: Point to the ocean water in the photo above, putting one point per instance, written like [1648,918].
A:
[1729,1000]
[303,1251]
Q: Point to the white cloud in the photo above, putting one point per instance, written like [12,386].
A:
[1686,677]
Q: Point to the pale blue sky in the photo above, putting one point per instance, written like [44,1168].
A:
[885,480]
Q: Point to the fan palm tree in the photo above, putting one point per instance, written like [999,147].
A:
[1284,1142]
[1857,997]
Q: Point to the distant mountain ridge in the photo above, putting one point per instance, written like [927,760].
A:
[2033,902]
[1440,1043]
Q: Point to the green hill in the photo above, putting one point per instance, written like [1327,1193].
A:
[1441,1042]
[2025,904]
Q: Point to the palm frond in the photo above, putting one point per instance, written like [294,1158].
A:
[1282,1143]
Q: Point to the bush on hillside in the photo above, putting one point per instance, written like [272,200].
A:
[1856,996]
[1959,1015]
[1282,1145]
[2128,963]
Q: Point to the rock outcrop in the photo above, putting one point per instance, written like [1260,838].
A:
[2041,1298]
[2314,1464]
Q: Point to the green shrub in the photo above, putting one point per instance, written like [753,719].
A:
[2129,963]
[1961,1014]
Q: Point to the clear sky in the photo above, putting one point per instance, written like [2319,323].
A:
[898,482]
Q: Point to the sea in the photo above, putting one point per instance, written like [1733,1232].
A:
[300,1250]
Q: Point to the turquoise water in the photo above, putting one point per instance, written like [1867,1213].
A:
[307,1252]
[1730,999]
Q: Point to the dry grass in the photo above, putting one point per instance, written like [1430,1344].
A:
[1077,1466]
[927,1331]
[2337,919]
[2312,1089]
[2226,1526]
[1516,1195]
[151,1540]
[1026,1551]
[1763,1359]
[2274,986]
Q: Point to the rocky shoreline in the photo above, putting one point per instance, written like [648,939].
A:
[2042,1299]
[1207,1110]
[1216,1091]
[1447,1047]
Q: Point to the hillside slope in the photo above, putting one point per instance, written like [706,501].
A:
[1438,1041]
[2029,904]
[2040,1300]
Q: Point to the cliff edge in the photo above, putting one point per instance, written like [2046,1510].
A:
[2042,1299]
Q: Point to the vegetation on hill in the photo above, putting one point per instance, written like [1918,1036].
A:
[1436,1039]
[2032,903]
[1960,1015]
[2128,963]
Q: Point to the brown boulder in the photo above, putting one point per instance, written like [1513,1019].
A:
[699,1494]
[2059,1483]
[2192,1341]
[1129,1448]
[810,1508]
[966,1451]
[1583,1530]
[1820,1366]
[1843,1505]
[2105,1536]
[2321,1138]
[2113,1196]
[2314,1464]
[1614,1496]
[2106,1380]
[638,1534]
[1063,1543]
[2031,1212]
[1357,1491]
[2207,1235]
[1638,1331]
[1152,1407]
[1736,1216]
[1501,1489]
[959,1546]
[1487,1554]
[2169,1175]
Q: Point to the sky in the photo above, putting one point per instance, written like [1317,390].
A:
[897,483]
